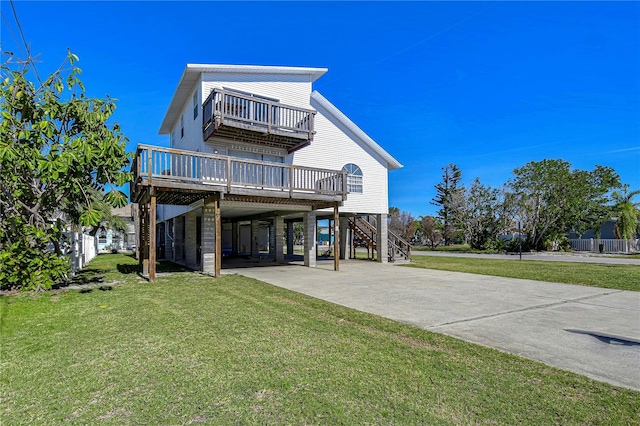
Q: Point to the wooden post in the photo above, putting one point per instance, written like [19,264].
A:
[149,165]
[229,174]
[139,232]
[336,237]
[269,106]
[152,236]
[352,245]
[145,238]
[374,242]
[290,181]
[218,225]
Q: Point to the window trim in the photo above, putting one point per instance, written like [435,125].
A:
[102,237]
[195,105]
[355,181]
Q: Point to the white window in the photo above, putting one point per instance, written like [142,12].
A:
[354,178]
[195,105]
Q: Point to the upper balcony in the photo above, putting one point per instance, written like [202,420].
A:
[246,118]
[182,177]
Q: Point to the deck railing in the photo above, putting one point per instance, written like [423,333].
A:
[252,112]
[163,164]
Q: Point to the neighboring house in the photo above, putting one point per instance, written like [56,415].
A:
[254,149]
[111,239]
[607,231]
[608,241]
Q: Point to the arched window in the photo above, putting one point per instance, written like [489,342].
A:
[354,178]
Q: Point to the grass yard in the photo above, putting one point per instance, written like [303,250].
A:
[190,349]
[454,248]
[466,248]
[621,277]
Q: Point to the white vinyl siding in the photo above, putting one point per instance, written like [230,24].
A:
[290,90]
[334,146]
[188,133]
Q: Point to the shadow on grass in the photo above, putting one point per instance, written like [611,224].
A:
[162,266]
[101,288]
[127,268]
[89,276]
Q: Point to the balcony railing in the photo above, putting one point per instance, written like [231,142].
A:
[161,166]
[226,108]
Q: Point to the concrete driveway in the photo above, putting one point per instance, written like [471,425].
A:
[587,330]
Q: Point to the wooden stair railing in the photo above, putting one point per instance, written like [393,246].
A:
[398,247]
[366,229]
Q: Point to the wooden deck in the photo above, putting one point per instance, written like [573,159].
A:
[253,119]
[182,177]
[178,177]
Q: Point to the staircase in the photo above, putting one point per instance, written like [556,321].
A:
[399,249]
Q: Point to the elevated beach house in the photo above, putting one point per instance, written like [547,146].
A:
[254,150]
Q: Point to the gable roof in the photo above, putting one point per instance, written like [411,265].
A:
[192,72]
[392,163]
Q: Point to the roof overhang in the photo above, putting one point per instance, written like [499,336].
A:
[192,72]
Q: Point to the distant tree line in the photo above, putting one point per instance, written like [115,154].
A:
[547,198]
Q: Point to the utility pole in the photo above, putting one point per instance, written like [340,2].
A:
[520,238]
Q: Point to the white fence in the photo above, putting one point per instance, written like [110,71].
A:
[81,249]
[608,245]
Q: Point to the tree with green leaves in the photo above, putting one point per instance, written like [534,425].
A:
[107,219]
[626,212]
[449,197]
[482,216]
[551,198]
[57,150]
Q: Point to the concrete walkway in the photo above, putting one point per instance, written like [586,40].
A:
[581,257]
[532,319]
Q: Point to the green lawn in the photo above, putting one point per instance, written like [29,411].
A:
[455,248]
[466,248]
[621,277]
[190,349]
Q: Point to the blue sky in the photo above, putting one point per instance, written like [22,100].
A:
[488,86]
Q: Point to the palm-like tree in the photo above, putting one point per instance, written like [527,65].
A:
[627,211]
